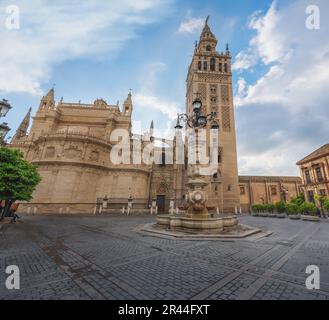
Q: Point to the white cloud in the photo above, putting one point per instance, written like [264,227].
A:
[191,25]
[147,96]
[52,32]
[155,103]
[298,70]
[290,97]
[245,60]
[269,43]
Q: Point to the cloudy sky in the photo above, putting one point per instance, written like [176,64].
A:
[101,49]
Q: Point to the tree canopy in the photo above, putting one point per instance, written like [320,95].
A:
[18,177]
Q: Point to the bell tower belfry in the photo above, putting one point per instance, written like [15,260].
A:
[209,77]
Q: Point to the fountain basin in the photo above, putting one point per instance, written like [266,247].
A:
[217,224]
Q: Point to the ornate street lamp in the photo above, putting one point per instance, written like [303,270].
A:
[4,107]
[197,119]
[196,195]
[4,129]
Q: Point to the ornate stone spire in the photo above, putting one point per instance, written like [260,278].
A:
[128,105]
[48,101]
[206,34]
[228,53]
[22,129]
[128,99]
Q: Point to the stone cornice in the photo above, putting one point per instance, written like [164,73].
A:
[269,179]
[74,137]
[105,167]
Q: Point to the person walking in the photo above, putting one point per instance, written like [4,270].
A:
[2,207]
[13,214]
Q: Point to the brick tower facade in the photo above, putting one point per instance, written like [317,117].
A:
[210,78]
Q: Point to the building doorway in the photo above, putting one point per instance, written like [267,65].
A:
[161,203]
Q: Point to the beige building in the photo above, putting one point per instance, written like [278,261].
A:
[267,190]
[71,142]
[314,170]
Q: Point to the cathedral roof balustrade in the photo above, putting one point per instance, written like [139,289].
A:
[269,179]
[75,105]
[76,136]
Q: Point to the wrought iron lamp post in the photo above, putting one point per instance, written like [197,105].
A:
[196,195]
[197,119]
[4,129]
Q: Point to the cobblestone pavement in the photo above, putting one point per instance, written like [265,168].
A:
[63,257]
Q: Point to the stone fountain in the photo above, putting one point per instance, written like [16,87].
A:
[196,222]
[197,219]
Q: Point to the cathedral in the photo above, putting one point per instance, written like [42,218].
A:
[70,143]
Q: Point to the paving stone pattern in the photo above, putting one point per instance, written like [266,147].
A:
[63,257]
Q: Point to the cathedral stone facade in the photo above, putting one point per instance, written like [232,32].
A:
[71,142]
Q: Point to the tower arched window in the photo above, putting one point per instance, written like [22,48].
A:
[225,67]
[220,67]
[205,65]
[208,48]
[199,65]
[212,64]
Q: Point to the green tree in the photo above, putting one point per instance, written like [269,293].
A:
[18,178]
[280,207]
[292,208]
[326,204]
[299,199]
[308,208]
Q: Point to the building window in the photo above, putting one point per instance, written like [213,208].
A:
[274,191]
[225,67]
[199,65]
[205,66]
[220,67]
[310,195]
[213,89]
[242,190]
[308,176]
[319,174]
[208,48]
[212,64]
[323,193]
[163,159]
[229,187]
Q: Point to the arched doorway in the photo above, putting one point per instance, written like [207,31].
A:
[161,197]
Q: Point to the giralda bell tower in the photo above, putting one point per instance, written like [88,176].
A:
[210,78]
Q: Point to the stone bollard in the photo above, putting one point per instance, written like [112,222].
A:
[35,209]
[171,207]
[177,211]
[217,211]
[28,211]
